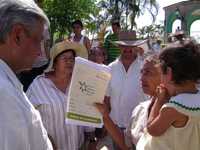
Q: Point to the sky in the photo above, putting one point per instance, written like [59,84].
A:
[194,31]
[146,19]
[161,14]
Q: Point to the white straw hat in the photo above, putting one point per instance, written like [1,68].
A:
[128,38]
[132,43]
[58,48]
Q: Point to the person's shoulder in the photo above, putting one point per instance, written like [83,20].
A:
[109,36]
[5,84]
[184,97]
[137,65]
[145,104]
[38,80]
[141,107]
[115,63]
[186,100]
[7,91]
[139,61]
[86,40]
[114,66]
[106,67]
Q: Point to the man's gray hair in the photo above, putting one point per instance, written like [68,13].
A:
[24,12]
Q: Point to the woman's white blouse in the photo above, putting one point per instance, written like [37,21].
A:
[51,103]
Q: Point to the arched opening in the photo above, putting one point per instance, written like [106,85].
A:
[176,25]
[195,30]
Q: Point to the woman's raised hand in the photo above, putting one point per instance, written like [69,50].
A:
[162,94]
[103,109]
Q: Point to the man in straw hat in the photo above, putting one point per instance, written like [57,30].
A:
[49,91]
[124,92]
[21,27]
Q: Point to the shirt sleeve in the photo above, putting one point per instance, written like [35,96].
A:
[136,124]
[20,124]
[31,94]
[36,91]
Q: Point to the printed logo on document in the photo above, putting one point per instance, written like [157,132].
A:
[86,88]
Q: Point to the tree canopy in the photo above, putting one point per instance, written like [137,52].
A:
[128,10]
[62,13]
[152,31]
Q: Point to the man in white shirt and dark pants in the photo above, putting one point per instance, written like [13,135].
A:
[124,91]
[21,27]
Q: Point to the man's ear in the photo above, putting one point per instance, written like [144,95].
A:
[17,34]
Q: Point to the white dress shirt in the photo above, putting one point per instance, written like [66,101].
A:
[51,103]
[125,91]
[21,127]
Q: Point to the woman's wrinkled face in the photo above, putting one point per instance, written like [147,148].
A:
[150,78]
[65,62]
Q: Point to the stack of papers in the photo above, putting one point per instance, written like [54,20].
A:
[88,86]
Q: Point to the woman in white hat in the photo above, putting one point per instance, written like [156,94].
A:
[48,93]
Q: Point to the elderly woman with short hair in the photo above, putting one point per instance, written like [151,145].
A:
[150,79]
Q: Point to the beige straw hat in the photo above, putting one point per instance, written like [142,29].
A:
[58,48]
[128,38]
[133,43]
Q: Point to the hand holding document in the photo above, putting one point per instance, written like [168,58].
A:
[88,86]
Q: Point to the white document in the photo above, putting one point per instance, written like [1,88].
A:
[88,85]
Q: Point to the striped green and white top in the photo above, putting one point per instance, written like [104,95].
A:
[112,51]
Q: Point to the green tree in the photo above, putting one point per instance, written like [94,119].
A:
[62,13]
[152,31]
[138,7]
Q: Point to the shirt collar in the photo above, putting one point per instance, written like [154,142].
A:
[132,64]
[10,75]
